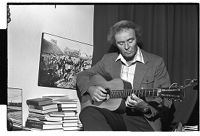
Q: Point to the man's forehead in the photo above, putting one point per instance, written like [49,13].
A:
[122,31]
[125,30]
[126,33]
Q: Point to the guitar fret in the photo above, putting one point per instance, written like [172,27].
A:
[154,92]
[144,93]
[148,92]
[139,93]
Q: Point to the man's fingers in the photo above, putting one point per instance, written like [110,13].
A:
[102,89]
[134,97]
[130,102]
[100,97]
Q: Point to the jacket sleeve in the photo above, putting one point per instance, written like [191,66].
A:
[83,77]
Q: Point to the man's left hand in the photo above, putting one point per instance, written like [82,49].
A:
[133,101]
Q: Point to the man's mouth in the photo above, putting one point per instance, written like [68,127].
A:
[127,52]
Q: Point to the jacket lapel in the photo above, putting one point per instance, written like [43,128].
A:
[139,74]
[116,69]
[140,71]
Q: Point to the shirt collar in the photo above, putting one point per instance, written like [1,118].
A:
[138,57]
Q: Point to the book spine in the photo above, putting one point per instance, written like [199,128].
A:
[34,124]
[35,107]
[39,101]
[42,111]
[70,121]
[70,124]
[43,107]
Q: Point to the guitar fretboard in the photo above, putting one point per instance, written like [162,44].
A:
[140,93]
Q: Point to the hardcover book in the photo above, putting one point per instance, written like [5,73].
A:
[70,124]
[44,118]
[71,121]
[44,121]
[70,118]
[39,101]
[67,105]
[62,114]
[42,111]
[65,109]
[72,128]
[41,125]
[43,107]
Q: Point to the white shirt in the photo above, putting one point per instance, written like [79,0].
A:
[128,69]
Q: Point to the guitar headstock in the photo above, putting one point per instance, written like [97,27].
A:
[175,94]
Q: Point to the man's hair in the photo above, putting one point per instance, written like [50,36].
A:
[121,25]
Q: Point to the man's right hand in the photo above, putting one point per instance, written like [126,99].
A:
[98,93]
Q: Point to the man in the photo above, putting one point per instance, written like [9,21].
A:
[131,64]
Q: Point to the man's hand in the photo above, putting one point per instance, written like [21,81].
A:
[98,93]
[135,102]
[132,101]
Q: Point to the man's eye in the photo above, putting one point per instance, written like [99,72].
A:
[130,40]
[120,43]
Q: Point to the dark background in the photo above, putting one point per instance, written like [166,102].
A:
[170,31]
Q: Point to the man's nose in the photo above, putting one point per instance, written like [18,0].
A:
[126,46]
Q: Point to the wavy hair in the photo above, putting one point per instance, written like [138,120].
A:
[121,25]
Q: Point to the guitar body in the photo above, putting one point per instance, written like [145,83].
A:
[118,90]
[113,104]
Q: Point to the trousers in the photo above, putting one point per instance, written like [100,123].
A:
[98,119]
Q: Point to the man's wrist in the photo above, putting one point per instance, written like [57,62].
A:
[143,107]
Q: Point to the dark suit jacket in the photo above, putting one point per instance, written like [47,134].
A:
[151,74]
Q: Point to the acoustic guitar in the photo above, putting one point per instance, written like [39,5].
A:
[118,90]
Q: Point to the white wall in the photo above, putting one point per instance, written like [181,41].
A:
[24,42]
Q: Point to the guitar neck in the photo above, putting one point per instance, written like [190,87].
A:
[140,93]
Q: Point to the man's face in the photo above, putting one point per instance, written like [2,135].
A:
[127,43]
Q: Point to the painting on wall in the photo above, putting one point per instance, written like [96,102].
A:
[61,59]
[14,109]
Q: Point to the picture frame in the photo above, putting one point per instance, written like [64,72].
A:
[61,59]
[14,109]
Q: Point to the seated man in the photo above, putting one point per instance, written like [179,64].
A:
[134,65]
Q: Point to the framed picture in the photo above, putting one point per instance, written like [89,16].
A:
[14,109]
[61,59]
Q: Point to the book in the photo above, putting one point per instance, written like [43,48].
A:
[62,114]
[67,105]
[44,121]
[44,118]
[33,114]
[42,111]
[70,124]
[72,128]
[43,107]
[39,101]
[41,125]
[71,121]
[70,118]
[67,109]
[56,96]
[65,100]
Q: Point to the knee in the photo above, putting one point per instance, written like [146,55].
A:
[87,112]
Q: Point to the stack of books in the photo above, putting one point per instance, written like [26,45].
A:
[67,108]
[52,113]
[39,110]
